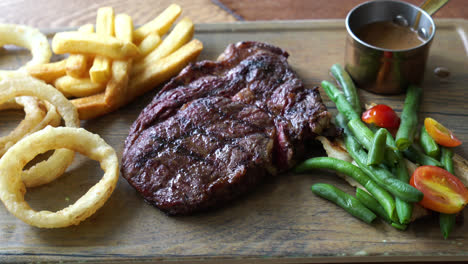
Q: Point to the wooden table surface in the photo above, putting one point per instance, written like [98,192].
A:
[68,13]
[59,14]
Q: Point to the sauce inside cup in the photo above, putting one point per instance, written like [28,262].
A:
[389,35]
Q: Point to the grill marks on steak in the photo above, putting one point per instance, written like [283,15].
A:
[213,149]
[177,149]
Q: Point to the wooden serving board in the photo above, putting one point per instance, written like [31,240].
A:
[281,221]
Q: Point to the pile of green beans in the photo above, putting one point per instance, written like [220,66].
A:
[379,174]
[354,172]
[381,168]
[357,127]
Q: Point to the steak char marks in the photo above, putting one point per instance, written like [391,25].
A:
[219,127]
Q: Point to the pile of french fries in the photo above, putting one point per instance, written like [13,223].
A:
[112,64]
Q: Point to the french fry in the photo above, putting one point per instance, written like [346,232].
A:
[148,44]
[116,89]
[100,72]
[91,106]
[77,64]
[78,87]
[92,43]
[48,72]
[161,24]
[163,69]
[180,35]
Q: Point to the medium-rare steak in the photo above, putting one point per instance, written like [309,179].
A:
[214,131]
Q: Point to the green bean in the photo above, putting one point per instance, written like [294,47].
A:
[428,144]
[344,200]
[390,142]
[380,175]
[371,203]
[347,84]
[333,164]
[402,172]
[399,226]
[365,136]
[361,132]
[339,99]
[417,156]
[446,222]
[377,150]
[446,159]
[404,209]
[383,197]
[409,118]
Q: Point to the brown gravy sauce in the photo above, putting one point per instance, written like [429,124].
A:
[388,35]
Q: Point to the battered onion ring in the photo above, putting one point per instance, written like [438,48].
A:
[29,38]
[12,189]
[13,84]
[33,116]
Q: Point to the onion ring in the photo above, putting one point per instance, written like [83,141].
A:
[13,84]
[12,189]
[27,37]
[33,116]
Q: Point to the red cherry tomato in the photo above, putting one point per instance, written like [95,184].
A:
[382,116]
[442,191]
[442,135]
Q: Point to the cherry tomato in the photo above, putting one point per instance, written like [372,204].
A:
[442,135]
[382,116]
[442,191]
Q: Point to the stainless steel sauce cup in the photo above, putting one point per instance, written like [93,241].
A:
[386,71]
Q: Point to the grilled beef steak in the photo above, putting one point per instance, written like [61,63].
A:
[214,131]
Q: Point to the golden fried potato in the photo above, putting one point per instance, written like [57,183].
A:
[92,43]
[148,44]
[180,35]
[161,24]
[48,72]
[162,70]
[77,64]
[78,87]
[116,90]
[100,72]
[91,106]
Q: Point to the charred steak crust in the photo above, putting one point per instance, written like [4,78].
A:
[214,131]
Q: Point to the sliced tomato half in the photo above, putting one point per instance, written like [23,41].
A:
[382,116]
[442,191]
[442,135]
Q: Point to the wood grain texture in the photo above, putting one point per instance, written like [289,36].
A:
[73,13]
[319,9]
[281,221]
